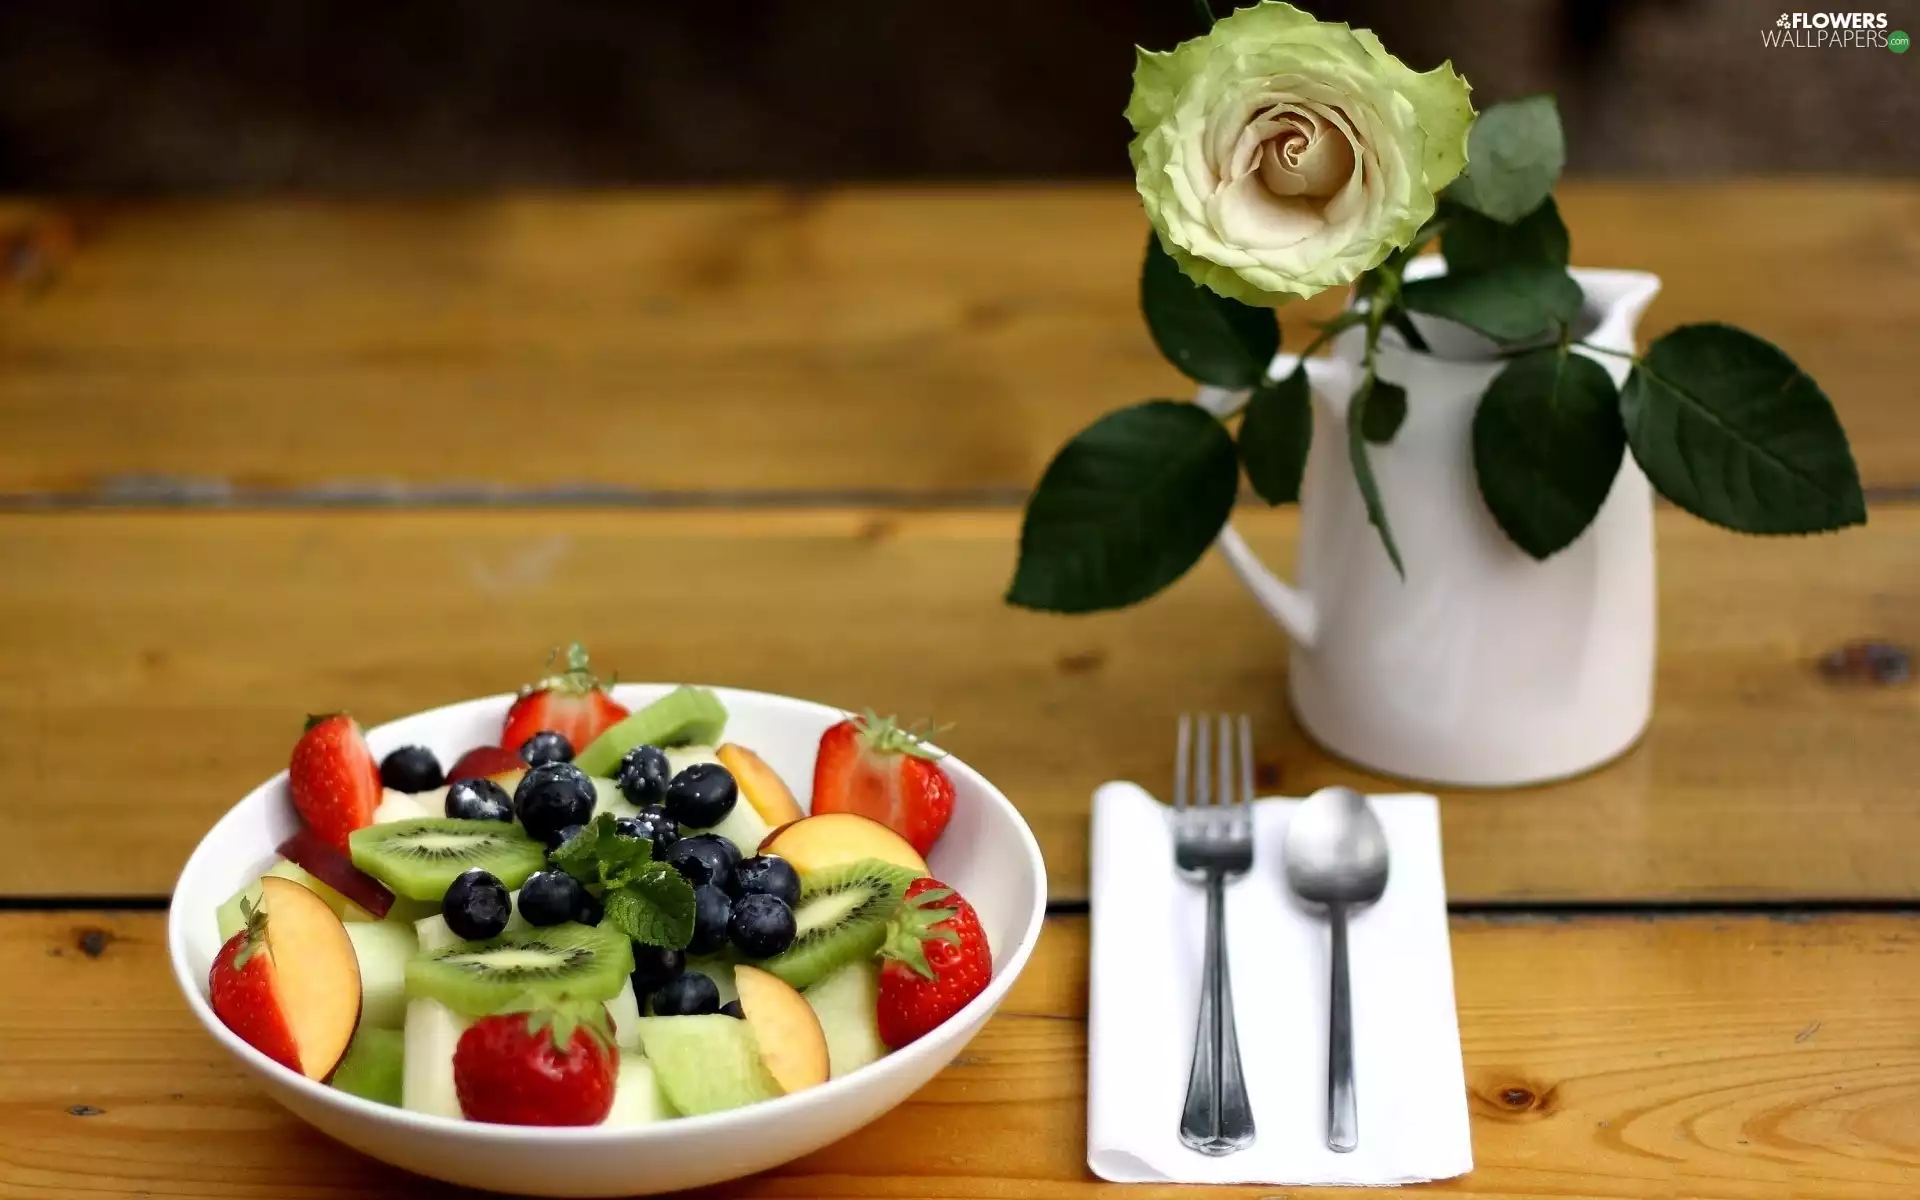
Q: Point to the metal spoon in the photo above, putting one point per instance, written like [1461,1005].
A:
[1336,856]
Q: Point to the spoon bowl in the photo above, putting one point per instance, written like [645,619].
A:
[1336,850]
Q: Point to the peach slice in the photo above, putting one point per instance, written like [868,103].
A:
[316,975]
[760,784]
[783,1023]
[831,839]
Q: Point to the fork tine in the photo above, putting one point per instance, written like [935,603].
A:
[1202,781]
[1182,764]
[1226,801]
[1246,773]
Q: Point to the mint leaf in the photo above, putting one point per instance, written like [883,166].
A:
[1125,508]
[1210,338]
[654,906]
[600,854]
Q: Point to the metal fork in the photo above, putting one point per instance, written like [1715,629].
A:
[1212,843]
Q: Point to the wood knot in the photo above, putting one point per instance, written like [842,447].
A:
[1083,662]
[1874,663]
[1266,776]
[85,1110]
[34,246]
[92,942]
[1509,1098]
[876,529]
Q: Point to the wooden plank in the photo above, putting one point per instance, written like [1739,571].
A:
[155,666]
[1708,1056]
[902,339]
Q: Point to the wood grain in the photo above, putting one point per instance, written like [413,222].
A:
[155,666]
[932,339]
[1712,1057]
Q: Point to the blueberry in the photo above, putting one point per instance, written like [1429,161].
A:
[732,1009]
[761,926]
[653,824]
[712,911]
[479,799]
[568,834]
[545,747]
[476,905]
[654,967]
[765,875]
[705,859]
[690,995]
[589,910]
[643,774]
[551,897]
[411,769]
[701,796]
[552,797]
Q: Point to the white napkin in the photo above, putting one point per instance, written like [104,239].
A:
[1148,941]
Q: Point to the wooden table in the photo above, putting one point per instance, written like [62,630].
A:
[263,457]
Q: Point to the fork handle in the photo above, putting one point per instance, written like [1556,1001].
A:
[1218,1118]
[1343,1117]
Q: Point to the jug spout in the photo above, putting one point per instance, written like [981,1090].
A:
[1615,302]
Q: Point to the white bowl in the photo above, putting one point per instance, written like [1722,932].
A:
[987,853]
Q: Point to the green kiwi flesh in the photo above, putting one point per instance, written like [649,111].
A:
[419,857]
[686,714]
[561,962]
[841,918]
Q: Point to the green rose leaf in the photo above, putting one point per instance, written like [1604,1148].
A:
[1514,155]
[1363,471]
[1508,304]
[1210,338]
[1386,409]
[1473,243]
[1125,508]
[1275,434]
[1728,428]
[1547,444]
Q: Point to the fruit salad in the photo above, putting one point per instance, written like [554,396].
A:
[612,917]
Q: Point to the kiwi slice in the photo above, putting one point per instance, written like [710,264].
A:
[567,961]
[684,715]
[419,857]
[841,918]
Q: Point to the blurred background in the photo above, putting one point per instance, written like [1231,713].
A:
[129,96]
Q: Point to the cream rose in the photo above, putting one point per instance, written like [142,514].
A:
[1280,155]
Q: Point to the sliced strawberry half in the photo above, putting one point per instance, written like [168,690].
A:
[334,778]
[485,761]
[572,704]
[872,767]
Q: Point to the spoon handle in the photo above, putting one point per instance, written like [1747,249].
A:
[1217,1119]
[1343,1117]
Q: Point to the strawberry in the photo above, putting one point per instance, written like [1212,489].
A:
[240,987]
[571,704]
[485,761]
[334,779]
[872,767]
[548,1066]
[934,961]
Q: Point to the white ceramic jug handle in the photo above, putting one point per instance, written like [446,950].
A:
[1290,608]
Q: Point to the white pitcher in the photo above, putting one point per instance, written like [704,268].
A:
[1482,667]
